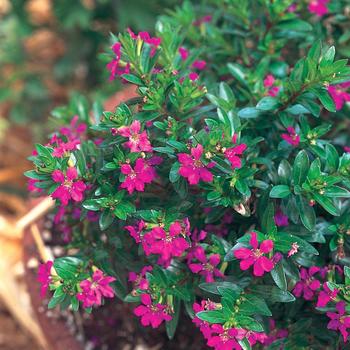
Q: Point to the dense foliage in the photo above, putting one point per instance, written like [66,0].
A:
[222,190]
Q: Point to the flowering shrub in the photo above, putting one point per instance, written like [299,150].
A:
[222,190]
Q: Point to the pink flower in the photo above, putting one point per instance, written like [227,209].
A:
[273,92]
[292,8]
[308,284]
[339,95]
[255,337]
[192,167]
[292,138]
[281,219]
[166,244]
[138,142]
[135,232]
[268,83]
[31,186]
[199,64]
[115,66]
[70,187]
[151,314]
[269,80]
[256,256]
[204,326]
[183,53]
[275,333]
[226,339]
[205,19]
[139,280]
[339,321]
[232,154]
[146,37]
[136,178]
[326,295]
[347,149]
[93,290]
[44,277]
[193,76]
[293,250]
[318,7]
[206,267]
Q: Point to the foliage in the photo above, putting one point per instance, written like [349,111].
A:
[223,188]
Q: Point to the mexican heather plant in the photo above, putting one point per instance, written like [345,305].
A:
[222,190]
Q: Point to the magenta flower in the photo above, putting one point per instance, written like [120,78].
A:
[139,280]
[318,7]
[255,256]
[70,187]
[281,219]
[308,284]
[206,267]
[292,137]
[293,250]
[203,326]
[138,142]
[326,295]
[339,94]
[94,289]
[183,53]
[347,149]
[192,167]
[232,154]
[205,19]
[273,92]
[146,37]
[199,64]
[339,321]
[193,76]
[255,337]
[135,231]
[226,339]
[275,333]
[44,277]
[115,66]
[137,177]
[151,314]
[166,244]
[269,80]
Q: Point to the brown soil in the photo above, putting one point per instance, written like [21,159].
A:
[12,336]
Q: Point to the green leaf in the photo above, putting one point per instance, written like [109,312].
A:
[300,167]
[267,103]
[252,305]
[325,99]
[294,24]
[336,192]
[213,316]
[283,242]
[279,276]
[218,287]
[326,203]
[133,79]
[273,294]
[268,219]
[172,324]
[280,191]
[106,219]
[91,204]
[249,323]
[67,267]
[306,212]
[248,113]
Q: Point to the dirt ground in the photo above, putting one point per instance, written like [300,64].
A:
[12,336]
